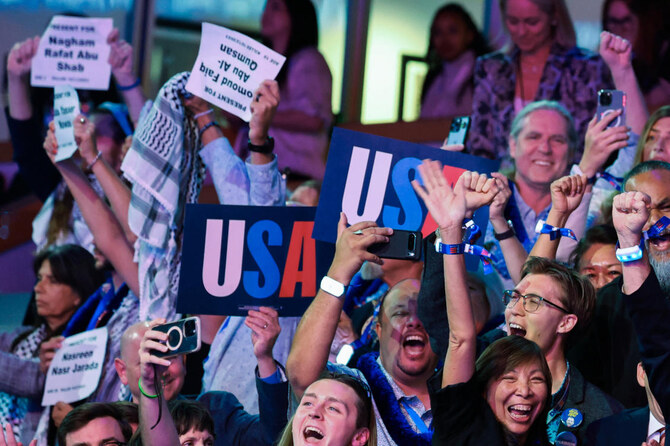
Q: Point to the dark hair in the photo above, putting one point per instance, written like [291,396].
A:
[644,167]
[599,234]
[579,296]
[478,44]
[304,31]
[129,411]
[71,265]
[106,124]
[188,414]
[82,415]
[662,112]
[504,355]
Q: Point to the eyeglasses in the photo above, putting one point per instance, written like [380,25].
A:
[531,302]
[614,22]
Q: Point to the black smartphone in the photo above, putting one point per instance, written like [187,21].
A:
[404,245]
[183,337]
[458,130]
[608,102]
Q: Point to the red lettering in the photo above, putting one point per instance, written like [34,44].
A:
[302,246]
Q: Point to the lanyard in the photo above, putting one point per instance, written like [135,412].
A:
[416,419]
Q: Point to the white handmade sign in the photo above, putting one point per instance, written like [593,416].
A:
[73,51]
[229,67]
[75,370]
[66,108]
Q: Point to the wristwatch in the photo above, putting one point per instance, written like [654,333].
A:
[266,148]
[332,287]
[507,234]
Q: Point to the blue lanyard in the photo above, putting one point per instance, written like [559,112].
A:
[416,419]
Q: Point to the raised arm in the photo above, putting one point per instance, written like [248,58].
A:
[566,195]
[617,54]
[513,251]
[448,207]
[315,333]
[107,232]
[121,61]
[163,433]
[18,78]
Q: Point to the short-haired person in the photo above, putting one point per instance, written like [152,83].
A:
[608,352]
[194,423]
[548,306]
[594,256]
[233,426]
[397,377]
[94,424]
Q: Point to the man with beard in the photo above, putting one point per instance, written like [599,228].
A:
[608,353]
[397,375]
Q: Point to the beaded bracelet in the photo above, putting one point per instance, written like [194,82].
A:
[95,160]
[201,114]
[139,384]
[206,126]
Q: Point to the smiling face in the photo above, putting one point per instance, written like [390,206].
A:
[404,345]
[327,416]
[541,150]
[545,326]
[97,431]
[517,397]
[657,144]
[528,26]
[450,36]
[55,301]
[600,265]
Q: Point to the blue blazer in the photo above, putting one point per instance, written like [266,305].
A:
[626,428]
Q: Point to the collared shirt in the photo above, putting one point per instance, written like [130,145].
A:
[558,400]
[653,431]
[412,401]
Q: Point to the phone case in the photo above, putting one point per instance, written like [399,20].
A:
[610,101]
[458,130]
[401,245]
[183,337]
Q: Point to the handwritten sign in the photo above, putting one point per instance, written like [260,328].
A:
[369,179]
[241,257]
[66,108]
[73,51]
[75,370]
[229,67]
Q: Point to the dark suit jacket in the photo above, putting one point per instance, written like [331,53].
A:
[626,428]
[235,427]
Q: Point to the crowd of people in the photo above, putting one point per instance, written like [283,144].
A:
[560,337]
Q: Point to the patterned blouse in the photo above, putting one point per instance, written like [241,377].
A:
[571,76]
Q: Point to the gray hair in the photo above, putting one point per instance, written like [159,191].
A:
[520,121]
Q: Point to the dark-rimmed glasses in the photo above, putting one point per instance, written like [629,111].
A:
[531,302]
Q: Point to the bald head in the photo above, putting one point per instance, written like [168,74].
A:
[130,341]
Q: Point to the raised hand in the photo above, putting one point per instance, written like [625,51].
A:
[50,143]
[615,51]
[48,351]
[479,191]
[351,247]
[567,193]
[84,136]
[264,325]
[60,410]
[8,439]
[263,107]
[447,206]
[501,198]
[152,341]
[630,212]
[600,142]
[20,57]
[120,58]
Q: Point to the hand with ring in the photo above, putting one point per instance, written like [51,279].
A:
[264,325]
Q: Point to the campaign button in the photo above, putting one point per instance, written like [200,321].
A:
[572,418]
[566,439]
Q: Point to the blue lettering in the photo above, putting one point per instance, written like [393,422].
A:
[263,259]
[409,202]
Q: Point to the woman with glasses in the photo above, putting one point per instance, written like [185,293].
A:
[548,306]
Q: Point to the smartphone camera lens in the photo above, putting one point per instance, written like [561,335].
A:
[605,98]
[174,338]
[189,328]
[411,242]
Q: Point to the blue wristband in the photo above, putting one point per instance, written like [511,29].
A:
[554,232]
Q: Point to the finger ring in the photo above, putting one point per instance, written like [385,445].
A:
[265,326]
[82,120]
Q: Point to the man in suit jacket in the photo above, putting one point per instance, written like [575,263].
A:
[632,426]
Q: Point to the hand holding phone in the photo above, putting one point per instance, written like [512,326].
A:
[610,101]
[405,245]
[458,131]
[183,337]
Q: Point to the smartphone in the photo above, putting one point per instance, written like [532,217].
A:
[608,102]
[458,130]
[183,337]
[404,245]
